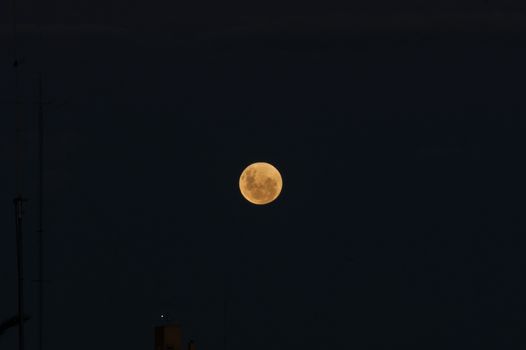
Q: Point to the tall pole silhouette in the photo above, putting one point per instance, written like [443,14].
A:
[225,321]
[18,200]
[40,229]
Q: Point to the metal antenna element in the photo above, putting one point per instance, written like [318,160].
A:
[225,319]
[225,307]
[19,200]
[40,229]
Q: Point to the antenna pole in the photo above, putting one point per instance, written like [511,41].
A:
[225,325]
[225,308]
[18,201]
[40,229]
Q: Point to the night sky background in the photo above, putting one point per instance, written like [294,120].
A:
[399,130]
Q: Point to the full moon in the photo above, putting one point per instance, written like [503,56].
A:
[260,183]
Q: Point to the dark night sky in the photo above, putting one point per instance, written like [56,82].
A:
[398,129]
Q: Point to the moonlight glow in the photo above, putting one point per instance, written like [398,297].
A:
[260,183]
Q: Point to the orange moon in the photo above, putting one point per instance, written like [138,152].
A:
[260,183]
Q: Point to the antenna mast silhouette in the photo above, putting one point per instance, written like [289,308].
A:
[40,229]
[19,199]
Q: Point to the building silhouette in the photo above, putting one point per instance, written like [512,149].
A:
[168,337]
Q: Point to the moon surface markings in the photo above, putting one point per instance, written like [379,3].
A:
[260,183]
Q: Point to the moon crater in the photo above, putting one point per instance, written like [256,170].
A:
[260,183]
